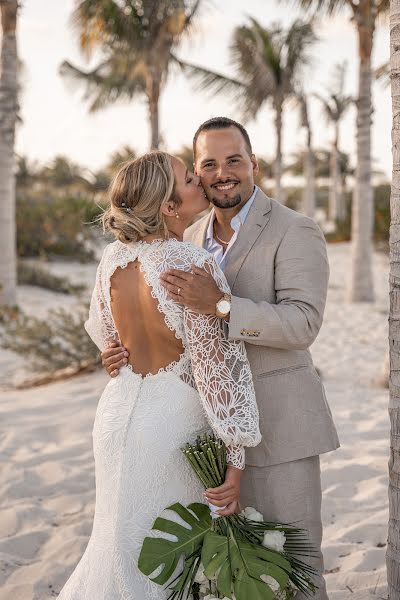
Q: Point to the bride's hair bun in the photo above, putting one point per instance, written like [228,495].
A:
[137,193]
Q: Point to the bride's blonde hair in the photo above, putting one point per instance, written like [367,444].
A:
[136,195]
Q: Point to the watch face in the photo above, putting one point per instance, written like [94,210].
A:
[224,306]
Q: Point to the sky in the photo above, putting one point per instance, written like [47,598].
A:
[55,118]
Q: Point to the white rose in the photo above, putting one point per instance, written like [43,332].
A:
[273,584]
[252,514]
[274,540]
[200,577]
[204,588]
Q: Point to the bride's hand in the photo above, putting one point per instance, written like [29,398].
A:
[227,494]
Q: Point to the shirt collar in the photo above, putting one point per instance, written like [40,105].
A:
[237,220]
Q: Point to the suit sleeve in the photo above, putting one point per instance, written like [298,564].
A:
[301,283]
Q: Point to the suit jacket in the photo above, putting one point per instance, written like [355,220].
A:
[278,273]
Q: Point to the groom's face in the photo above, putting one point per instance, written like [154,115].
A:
[225,167]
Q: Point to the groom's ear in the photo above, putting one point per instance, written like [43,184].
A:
[254,162]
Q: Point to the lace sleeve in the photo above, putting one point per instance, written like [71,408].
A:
[100,325]
[223,379]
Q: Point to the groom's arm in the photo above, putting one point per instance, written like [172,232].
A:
[301,282]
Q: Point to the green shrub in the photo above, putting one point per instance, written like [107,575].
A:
[49,344]
[40,277]
[55,225]
[382,212]
[381,219]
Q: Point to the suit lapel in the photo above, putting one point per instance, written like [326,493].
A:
[249,232]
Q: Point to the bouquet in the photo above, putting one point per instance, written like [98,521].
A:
[240,557]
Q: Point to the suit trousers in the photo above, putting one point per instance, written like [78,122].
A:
[290,492]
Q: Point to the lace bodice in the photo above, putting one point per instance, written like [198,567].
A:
[218,368]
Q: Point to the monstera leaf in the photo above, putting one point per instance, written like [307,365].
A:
[159,551]
[230,559]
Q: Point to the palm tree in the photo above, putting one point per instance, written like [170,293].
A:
[322,164]
[137,41]
[268,64]
[186,156]
[62,173]
[392,553]
[365,14]
[27,173]
[335,107]
[8,118]
[309,158]
[120,156]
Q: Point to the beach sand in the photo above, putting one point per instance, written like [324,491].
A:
[47,481]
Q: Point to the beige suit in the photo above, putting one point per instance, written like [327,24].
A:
[278,273]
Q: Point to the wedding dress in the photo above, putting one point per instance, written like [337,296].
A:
[143,420]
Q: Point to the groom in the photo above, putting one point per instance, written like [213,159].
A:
[275,262]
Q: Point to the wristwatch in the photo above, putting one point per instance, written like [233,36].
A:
[223,306]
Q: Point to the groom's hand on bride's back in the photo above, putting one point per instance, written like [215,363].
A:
[113,358]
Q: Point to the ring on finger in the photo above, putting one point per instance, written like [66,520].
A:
[179,291]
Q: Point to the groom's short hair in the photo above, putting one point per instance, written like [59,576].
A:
[221,123]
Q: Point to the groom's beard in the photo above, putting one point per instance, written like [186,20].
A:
[226,202]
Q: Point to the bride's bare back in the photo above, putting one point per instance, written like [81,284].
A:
[141,326]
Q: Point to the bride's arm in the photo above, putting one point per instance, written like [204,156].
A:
[223,379]
[100,324]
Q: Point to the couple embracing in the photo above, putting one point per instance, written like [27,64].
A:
[213,323]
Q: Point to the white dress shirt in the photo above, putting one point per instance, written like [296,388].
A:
[213,246]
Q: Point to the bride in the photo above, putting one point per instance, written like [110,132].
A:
[183,378]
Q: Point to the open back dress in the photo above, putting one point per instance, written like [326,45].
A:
[153,407]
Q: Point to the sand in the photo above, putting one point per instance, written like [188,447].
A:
[47,480]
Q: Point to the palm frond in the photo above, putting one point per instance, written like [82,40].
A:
[256,63]
[208,80]
[191,15]
[382,74]
[383,6]
[102,22]
[341,104]
[298,41]
[105,84]
[327,109]
[322,7]
[302,102]
[336,103]
[267,53]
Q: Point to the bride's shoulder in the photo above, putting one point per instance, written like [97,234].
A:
[117,253]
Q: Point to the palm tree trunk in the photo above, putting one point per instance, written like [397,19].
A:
[153,97]
[279,194]
[335,187]
[341,210]
[309,174]
[393,548]
[362,287]
[8,116]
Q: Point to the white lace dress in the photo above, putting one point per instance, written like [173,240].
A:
[142,422]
